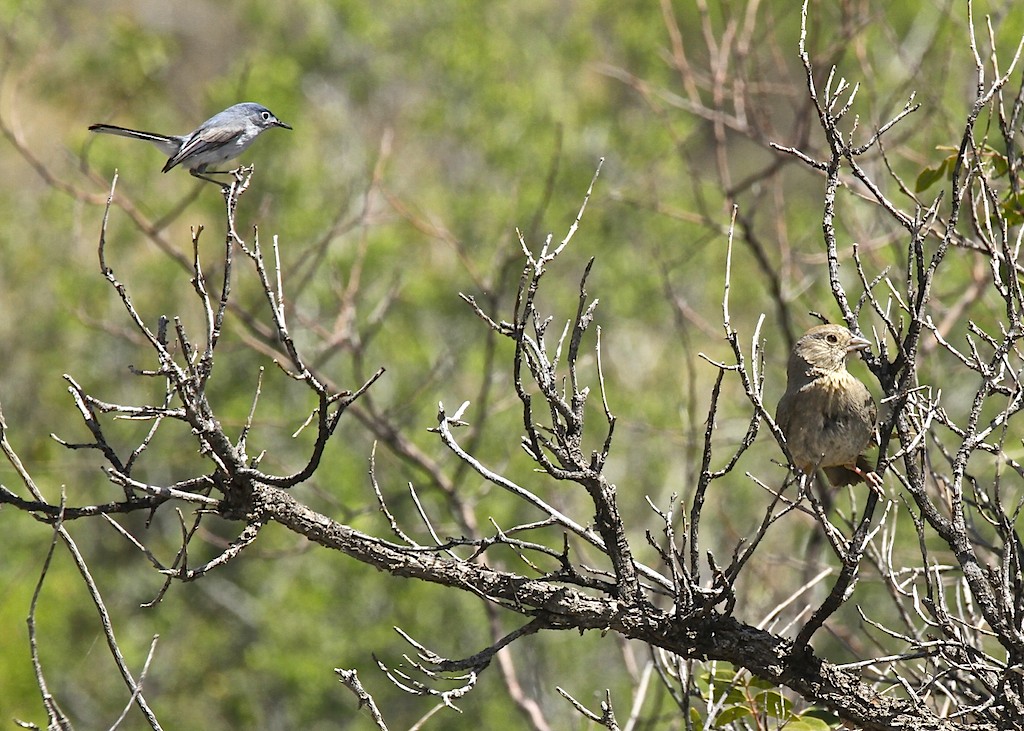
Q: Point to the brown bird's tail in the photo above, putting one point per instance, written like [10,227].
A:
[841,476]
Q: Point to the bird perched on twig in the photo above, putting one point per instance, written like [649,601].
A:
[828,415]
[222,137]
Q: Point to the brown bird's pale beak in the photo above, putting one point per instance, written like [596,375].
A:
[857,343]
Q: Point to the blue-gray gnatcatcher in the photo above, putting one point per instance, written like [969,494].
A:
[222,137]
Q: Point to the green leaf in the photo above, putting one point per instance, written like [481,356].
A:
[774,704]
[731,714]
[731,694]
[807,723]
[1011,208]
[929,176]
[724,683]
[821,714]
[1000,165]
[723,673]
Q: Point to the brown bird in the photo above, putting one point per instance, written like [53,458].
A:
[827,415]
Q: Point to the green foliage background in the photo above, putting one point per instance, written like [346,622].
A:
[496,115]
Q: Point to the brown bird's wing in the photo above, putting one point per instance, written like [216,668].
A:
[872,411]
[784,413]
[789,422]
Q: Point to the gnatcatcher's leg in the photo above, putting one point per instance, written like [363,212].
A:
[197,174]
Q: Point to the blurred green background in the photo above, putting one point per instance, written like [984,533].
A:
[478,118]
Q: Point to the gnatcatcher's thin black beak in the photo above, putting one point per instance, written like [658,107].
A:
[279,123]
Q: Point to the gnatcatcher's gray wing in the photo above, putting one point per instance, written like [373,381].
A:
[168,144]
[205,146]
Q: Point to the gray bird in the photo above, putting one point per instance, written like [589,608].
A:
[827,414]
[222,137]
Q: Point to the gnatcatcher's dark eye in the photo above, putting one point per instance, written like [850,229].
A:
[266,116]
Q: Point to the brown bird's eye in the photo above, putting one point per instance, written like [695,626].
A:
[832,338]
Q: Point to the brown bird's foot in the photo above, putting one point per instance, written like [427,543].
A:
[862,468]
[874,481]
